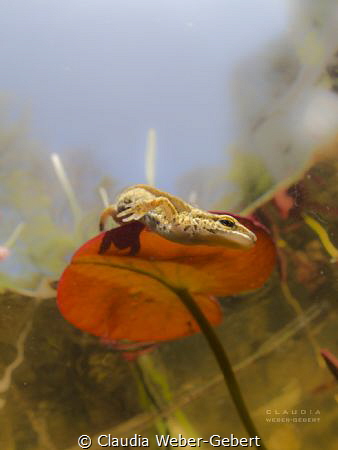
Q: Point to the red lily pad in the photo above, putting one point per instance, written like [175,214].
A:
[121,284]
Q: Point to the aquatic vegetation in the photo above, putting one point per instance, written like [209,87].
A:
[75,360]
[303,219]
[284,202]
[43,220]
[250,178]
[150,157]
[331,362]
[130,283]
[6,379]
[305,264]
[5,247]
[117,296]
[323,236]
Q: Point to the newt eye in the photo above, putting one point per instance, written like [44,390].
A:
[227,223]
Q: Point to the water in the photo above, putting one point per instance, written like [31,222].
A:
[58,382]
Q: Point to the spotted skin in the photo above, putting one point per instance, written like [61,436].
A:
[176,220]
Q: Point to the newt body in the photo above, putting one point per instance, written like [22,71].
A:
[176,220]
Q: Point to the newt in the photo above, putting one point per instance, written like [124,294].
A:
[176,220]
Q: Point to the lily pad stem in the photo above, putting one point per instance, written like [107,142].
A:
[215,346]
[222,360]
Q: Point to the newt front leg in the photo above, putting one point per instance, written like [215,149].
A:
[139,209]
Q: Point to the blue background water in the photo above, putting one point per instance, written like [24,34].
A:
[97,75]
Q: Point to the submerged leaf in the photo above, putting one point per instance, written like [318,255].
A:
[119,295]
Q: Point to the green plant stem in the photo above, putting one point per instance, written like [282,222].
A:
[222,360]
[211,337]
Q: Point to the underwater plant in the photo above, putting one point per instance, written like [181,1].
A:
[130,283]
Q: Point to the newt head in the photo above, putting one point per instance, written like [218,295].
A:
[225,230]
[207,228]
